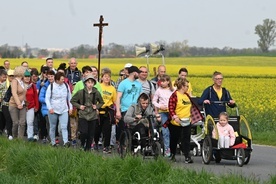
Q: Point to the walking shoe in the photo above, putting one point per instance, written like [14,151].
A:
[106,150]
[74,143]
[67,145]
[168,153]
[188,160]
[35,138]
[44,140]
[57,141]
[173,159]
[10,137]
[31,139]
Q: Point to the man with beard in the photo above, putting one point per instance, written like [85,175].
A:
[127,95]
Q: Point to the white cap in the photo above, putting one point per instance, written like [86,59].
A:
[128,65]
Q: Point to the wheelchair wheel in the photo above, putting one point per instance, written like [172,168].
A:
[240,157]
[157,149]
[207,150]
[125,144]
[247,159]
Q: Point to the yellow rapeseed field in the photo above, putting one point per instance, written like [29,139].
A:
[250,80]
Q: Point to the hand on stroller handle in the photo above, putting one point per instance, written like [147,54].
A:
[218,102]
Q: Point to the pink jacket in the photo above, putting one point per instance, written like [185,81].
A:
[227,131]
[161,97]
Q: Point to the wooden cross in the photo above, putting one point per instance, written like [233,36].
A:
[100,25]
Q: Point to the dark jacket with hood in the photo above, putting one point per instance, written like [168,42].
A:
[136,109]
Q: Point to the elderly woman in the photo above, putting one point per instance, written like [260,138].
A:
[17,104]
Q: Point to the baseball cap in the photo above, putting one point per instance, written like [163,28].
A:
[128,65]
[90,77]
[10,72]
[27,73]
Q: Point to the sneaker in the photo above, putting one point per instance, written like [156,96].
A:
[188,160]
[74,143]
[44,140]
[57,141]
[36,138]
[168,153]
[173,159]
[10,137]
[67,145]
[106,150]
[31,139]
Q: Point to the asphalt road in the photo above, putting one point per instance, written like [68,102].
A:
[261,166]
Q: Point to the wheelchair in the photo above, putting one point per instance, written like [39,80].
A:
[133,142]
[240,151]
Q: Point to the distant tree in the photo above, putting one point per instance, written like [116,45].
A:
[267,34]
[116,50]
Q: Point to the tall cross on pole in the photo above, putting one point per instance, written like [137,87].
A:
[100,25]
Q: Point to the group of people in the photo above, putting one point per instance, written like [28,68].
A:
[77,105]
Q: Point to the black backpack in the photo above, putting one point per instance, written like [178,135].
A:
[8,95]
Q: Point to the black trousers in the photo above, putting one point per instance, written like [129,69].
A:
[8,120]
[87,131]
[120,126]
[103,126]
[2,122]
[182,134]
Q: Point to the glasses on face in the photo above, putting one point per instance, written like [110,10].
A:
[218,78]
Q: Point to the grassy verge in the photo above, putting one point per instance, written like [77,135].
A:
[23,162]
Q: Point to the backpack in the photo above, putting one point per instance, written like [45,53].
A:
[52,89]
[8,95]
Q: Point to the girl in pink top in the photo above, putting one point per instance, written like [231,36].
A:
[160,101]
[225,131]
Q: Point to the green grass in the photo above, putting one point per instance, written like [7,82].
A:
[23,162]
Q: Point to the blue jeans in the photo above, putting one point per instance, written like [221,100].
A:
[165,131]
[63,121]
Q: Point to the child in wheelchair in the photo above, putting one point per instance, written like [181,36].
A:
[136,118]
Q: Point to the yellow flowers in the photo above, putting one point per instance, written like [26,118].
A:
[250,80]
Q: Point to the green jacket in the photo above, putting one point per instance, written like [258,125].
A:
[80,85]
[88,113]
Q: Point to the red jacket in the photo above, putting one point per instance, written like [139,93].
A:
[32,97]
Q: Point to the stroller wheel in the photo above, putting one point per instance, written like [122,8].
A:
[207,150]
[240,157]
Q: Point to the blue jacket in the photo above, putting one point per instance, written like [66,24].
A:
[214,109]
[42,94]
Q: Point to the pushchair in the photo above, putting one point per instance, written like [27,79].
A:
[240,151]
[197,131]
[132,142]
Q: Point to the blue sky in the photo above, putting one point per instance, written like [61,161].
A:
[69,23]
